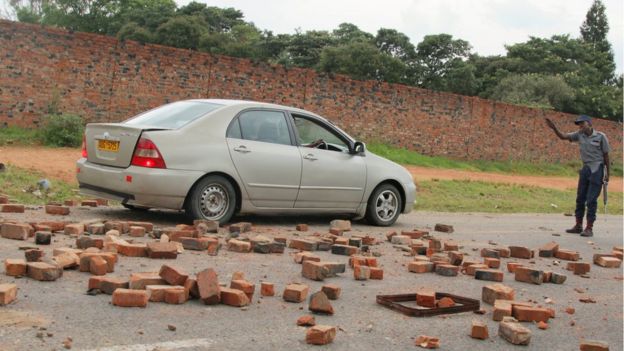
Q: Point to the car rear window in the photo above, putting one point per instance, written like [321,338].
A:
[173,116]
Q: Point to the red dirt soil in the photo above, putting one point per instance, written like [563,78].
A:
[60,163]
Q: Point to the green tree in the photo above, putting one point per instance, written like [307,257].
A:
[440,62]
[347,33]
[534,90]
[363,61]
[395,44]
[595,27]
[304,49]
[132,31]
[181,32]
[218,20]
[243,40]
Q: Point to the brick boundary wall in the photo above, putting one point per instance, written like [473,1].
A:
[106,80]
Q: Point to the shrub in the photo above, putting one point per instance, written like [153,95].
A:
[63,130]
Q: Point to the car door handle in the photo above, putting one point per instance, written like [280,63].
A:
[310,157]
[242,149]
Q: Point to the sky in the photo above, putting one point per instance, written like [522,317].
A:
[488,25]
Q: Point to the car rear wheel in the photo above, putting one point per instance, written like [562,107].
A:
[212,198]
[384,206]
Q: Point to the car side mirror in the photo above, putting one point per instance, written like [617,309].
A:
[358,148]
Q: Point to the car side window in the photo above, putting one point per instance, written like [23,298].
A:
[308,132]
[234,130]
[265,126]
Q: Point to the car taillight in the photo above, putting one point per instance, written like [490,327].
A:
[84,146]
[146,154]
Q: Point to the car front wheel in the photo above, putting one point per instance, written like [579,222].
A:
[212,198]
[384,206]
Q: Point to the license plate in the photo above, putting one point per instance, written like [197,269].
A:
[108,145]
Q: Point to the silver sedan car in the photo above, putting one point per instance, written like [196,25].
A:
[215,158]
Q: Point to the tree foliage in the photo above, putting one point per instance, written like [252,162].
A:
[575,75]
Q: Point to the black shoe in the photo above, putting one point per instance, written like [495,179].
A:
[587,232]
[577,229]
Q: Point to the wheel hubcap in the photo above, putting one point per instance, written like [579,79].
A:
[214,202]
[386,205]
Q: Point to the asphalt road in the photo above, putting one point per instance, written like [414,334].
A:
[65,310]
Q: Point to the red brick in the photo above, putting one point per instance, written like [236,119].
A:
[470,270]
[85,261]
[549,250]
[97,265]
[33,255]
[528,275]
[88,203]
[149,227]
[455,258]
[74,229]
[157,292]
[376,273]
[342,241]
[208,285]
[530,314]
[132,250]
[319,303]
[139,281]
[491,262]
[445,228]
[175,295]
[521,252]
[502,308]
[94,282]
[4,199]
[158,250]
[244,286]
[306,321]
[295,292]
[43,271]
[12,208]
[55,226]
[450,246]
[267,289]
[479,330]
[493,275]
[608,262]
[137,231]
[426,298]
[511,266]
[361,272]
[234,297]
[238,246]
[8,293]
[302,227]
[567,255]
[314,270]
[414,234]
[15,267]
[173,275]
[15,231]
[108,285]
[514,333]
[332,291]
[493,292]
[130,298]
[320,335]
[57,210]
[579,268]
[446,270]
[85,242]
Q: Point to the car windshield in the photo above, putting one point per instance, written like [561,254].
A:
[173,116]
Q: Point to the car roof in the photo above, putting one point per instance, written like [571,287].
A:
[250,103]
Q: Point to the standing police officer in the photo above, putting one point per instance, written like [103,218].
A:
[594,148]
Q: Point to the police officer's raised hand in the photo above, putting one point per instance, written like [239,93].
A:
[550,124]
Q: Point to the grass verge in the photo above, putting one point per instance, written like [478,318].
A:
[21,186]
[407,157]
[19,136]
[476,196]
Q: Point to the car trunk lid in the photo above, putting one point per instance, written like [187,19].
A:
[112,144]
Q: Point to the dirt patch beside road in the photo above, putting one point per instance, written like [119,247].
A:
[59,163]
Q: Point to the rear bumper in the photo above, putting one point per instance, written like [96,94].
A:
[163,188]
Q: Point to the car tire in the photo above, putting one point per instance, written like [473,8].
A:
[384,206]
[212,198]
[135,208]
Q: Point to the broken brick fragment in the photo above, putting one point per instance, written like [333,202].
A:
[43,271]
[332,291]
[175,295]
[98,265]
[15,267]
[234,297]
[479,330]
[426,298]
[267,289]
[445,302]
[502,308]
[579,268]
[593,345]
[162,250]
[520,252]
[608,262]
[15,231]
[319,303]
[444,228]
[567,255]
[33,255]
[138,281]
[447,270]
[244,286]
[493,275]
[173,275]
[530,314]
[376,273]
[491,293]
[302,227]
[57,210]
[320,335]
[528,275]
[208,286]
[420,267]
[491,262]
[427,342]
[306,321]
[514,332]
[43,238]
[361,272]
[548,250]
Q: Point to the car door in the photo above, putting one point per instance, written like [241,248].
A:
[265,158]
[332,177]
